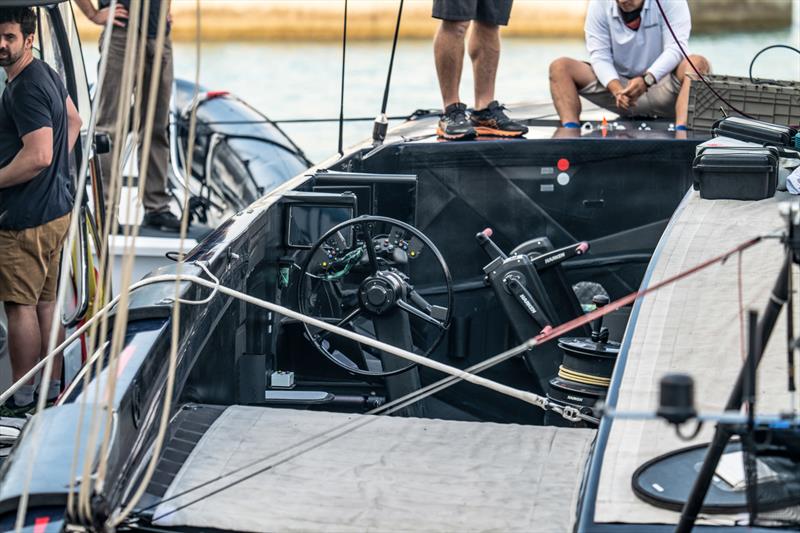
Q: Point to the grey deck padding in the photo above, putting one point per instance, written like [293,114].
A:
[395,474]
[693,326]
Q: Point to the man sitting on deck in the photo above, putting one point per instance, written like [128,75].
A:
[484,50]
[636,68]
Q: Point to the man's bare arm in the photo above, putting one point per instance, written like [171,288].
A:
[74,123]
[35,156]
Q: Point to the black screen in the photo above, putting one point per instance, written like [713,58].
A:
[307,223]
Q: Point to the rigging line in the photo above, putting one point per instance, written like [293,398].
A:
[341,94]
[446,382]
[391,59]
[702,77]
[296,120]
[166,407]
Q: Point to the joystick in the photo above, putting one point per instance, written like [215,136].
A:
[599,333]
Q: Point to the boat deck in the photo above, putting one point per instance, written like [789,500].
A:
[543,123]
[692,326]
[392,474]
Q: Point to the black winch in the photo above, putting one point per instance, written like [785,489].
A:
[585,372]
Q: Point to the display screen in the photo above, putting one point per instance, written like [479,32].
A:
[307,223]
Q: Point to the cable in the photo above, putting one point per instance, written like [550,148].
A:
[381,124]
[691,64]
[753,62]
[391,59]
[340,148]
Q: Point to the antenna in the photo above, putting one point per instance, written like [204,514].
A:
[381,124]
[341,98]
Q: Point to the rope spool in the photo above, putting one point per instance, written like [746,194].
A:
[584,375]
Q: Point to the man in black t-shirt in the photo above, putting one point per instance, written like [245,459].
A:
[39,125]
[156,197]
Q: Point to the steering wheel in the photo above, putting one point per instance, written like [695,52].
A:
[358,276]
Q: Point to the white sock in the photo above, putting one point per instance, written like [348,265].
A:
[54,389]
[24,395]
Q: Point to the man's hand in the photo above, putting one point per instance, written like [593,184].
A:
[636,88]
[623,102]
[615,88]
[100,16]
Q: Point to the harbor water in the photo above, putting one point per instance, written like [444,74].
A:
[289,80]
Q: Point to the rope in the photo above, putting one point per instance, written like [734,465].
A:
[391,59]
[701,76]
[341,95]
[580,377]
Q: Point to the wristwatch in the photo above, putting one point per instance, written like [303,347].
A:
[649,79]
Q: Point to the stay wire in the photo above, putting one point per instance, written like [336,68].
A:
[696,70]
[391,59]
[450,380]
[341,94]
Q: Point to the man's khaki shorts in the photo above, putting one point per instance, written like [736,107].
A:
[29,261]
[657,102]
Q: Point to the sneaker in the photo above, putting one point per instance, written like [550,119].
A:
[493,121]
[11,410]
[163,220]
[454,124]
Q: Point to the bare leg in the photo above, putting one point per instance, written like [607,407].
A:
[567,77]
[24,338]
[448,53]
[685,73]
[484,50]
[45,312]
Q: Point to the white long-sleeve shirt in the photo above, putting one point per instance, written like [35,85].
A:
[614,49]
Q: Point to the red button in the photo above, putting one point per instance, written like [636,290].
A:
[563,164]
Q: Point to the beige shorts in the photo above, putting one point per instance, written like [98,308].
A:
[657,102]
[29,261]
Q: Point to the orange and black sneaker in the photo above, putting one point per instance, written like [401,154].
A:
[493,121]
[454,124]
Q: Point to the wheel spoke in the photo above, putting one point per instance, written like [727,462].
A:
[373,259]
[341,323]
[412,310]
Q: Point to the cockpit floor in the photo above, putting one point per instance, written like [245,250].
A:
[392,474]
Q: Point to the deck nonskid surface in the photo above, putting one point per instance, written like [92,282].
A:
[393,474]
[692,326]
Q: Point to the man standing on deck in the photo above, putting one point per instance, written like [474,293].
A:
[39,126]
[636,68]
[486,17]
[156,198]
